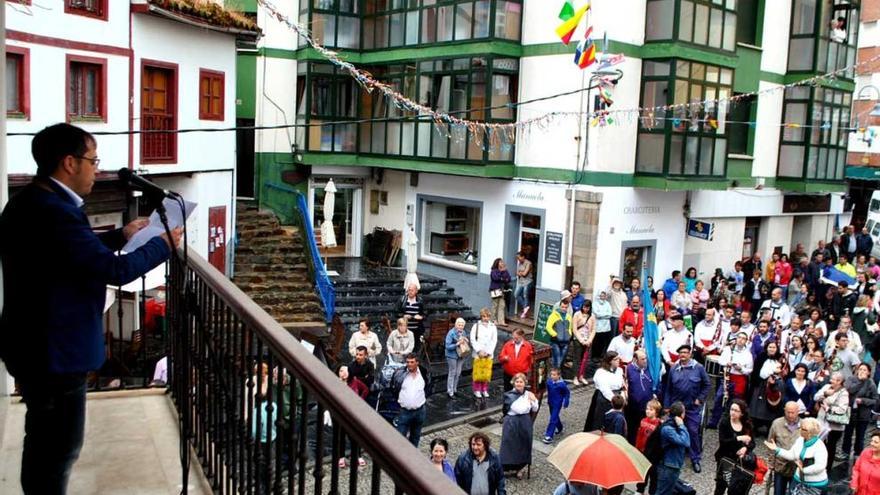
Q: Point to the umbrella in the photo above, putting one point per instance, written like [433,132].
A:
[412,261]
[599,459]
[328,236]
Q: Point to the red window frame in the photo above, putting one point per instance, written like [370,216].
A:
[99,65]
[24,82]
[173,94]
[76,7]
[207,96]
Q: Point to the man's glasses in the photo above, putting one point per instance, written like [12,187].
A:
[95,161]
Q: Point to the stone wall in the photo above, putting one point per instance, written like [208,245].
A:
[586,233]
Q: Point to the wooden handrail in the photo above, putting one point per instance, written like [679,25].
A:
[409,469]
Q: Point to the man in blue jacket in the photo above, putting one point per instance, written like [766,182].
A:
[56,270]
[689,384]
[674,439]
[478,469]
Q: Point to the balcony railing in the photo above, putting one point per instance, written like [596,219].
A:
[252,401]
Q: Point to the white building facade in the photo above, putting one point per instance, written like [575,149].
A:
[118,67]
[762,167]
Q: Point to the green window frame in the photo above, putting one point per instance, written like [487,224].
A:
[382,24]
[451,85]
[689,141]
[813,143]
[326,94]
[708,23]
[334,23]
[813,46]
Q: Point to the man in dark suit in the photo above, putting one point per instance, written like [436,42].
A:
[56,270]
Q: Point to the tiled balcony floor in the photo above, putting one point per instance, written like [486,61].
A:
[131,446]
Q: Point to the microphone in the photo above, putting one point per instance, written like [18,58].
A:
[135,181]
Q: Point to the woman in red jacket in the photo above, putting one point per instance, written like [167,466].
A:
[866,472]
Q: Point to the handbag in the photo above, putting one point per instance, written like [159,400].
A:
[482,371]
[496,293]
[837,418]
[463,349]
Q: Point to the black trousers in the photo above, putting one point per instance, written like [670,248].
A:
[53,431]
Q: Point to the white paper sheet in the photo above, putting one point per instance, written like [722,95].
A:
[175,219]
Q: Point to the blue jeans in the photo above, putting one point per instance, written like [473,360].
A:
[558,351]
[666,479]
[522,295]
[54,429]
[780,484]
[409,424]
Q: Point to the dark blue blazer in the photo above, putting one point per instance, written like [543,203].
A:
[55,273]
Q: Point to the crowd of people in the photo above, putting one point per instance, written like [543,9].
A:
[782,348]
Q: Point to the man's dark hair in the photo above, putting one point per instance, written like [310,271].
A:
[627,324]
[676,410]
[361,348]
[676,273]
[842,284]
[365,321]
[482,436]
[55,142]
[520,253]
[736,321]
[617,402]
[413,355]
[575,282]
[840,336]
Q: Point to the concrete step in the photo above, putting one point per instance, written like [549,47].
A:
[285,258]
[273,286]
[245,267]
[280,297]
[297,276]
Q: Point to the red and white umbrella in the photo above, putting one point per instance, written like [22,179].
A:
[599,459]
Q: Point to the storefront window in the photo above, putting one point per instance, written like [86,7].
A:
[814,145]
[450,232]
[692,140]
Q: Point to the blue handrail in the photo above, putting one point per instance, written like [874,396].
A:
[324,285]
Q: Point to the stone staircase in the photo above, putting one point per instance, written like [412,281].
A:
[373,292]
[271,267]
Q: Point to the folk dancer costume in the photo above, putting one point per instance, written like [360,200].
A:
[689,383]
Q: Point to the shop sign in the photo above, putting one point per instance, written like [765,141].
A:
[553,248]
[701,230]
[526,195]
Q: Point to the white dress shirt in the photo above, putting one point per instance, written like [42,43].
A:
[672,340]
[412,391]
[74,196]
[705,331]
[625,349]
[737,356]
[607,382]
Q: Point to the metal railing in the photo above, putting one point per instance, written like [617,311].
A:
[317,271]
[252,403]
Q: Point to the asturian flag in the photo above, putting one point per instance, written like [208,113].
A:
[585,55]
[651,335]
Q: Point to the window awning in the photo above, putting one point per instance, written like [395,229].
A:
[859,172]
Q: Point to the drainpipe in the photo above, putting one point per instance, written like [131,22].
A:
[569,264]
[130,91]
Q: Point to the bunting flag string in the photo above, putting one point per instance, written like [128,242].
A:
[503,134]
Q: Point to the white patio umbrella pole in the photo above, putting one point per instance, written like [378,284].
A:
[412,261]
[328,235]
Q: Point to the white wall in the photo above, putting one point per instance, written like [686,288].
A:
[722,251]
[161,40]
[767,131]
[48,105]
[629,214]
[869,34]
[774,231]
[775,36]
[276,34]
[208,189]
[392,215]
[612,148]
[541,18]
[47,18]
[276,104]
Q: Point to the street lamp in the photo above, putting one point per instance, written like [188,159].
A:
[875,112]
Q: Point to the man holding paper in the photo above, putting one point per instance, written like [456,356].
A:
[56,270]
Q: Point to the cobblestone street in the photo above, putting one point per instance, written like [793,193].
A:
[544,476]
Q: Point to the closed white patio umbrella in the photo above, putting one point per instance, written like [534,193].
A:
[412,261]
[328,235]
